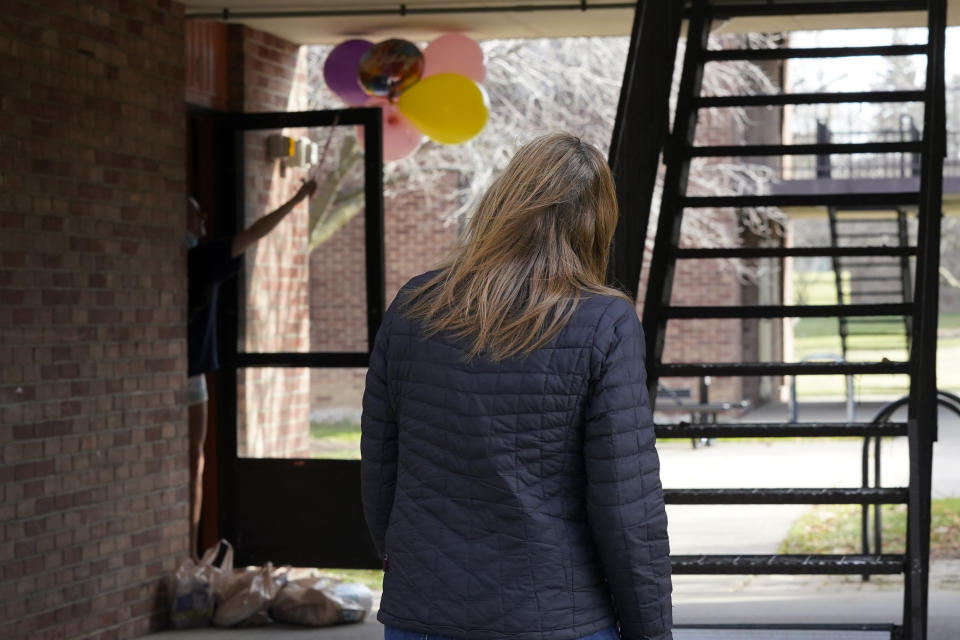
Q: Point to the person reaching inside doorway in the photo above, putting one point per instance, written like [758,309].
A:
[210,262]
[509,474]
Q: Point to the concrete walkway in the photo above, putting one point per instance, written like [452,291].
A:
[760,529]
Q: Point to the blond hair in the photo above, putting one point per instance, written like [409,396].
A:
[536,244]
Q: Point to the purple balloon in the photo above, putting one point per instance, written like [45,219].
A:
[340,70]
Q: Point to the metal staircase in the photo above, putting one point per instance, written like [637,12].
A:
[918,311]
[871,280]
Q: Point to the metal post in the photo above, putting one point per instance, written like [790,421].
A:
[823,159]
[851,401]
[923,360]
[660,280]
[639,132]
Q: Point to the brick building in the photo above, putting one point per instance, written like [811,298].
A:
[93,286]
[95,161]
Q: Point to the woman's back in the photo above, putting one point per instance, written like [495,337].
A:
[499,465]
[510,479]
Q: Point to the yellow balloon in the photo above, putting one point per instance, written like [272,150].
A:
[447,107]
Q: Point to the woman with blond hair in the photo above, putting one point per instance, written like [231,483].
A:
[510,479]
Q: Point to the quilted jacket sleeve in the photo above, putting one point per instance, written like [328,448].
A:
[378,441]
[624,497]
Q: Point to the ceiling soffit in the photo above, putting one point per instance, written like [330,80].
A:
[326,22]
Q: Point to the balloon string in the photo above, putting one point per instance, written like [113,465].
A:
[326,147]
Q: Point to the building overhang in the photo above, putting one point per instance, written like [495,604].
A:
[332,21]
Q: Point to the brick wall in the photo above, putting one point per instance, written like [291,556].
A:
[416,238]
[92,315]
[706,282]
[270,75]
[338,301]
[700,283]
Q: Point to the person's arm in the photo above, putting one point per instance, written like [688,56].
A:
[378,443]
[624,498]
[259,229]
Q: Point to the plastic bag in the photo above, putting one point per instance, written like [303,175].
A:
[306,602]
[357,600]
[316,603]
[244,597]
[192,601]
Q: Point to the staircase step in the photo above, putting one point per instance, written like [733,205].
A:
[776,99]
[723,151]
[733,10]
[793,252]
[787,53]
[852,495]
[788,311]
[873,333]
[871,263]
[788,564]
[872,279]
[886,320]
[874,294]
[856,219]
[849,200]
[844,234]
[685,369]
[780,430]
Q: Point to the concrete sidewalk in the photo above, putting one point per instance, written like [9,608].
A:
[732,529]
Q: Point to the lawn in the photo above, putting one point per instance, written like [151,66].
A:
[372,578]
[835,529]
[337,440]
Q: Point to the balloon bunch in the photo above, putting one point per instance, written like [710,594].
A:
[431,93]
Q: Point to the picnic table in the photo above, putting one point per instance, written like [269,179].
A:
[701,411]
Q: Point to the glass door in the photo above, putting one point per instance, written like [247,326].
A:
[298,323]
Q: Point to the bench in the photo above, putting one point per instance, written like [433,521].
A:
[702,411]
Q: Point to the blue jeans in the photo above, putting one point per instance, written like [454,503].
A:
[392,633]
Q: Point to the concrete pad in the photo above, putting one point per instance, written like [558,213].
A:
[367,630]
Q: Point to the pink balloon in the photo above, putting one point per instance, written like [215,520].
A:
[400,137]
[454,53]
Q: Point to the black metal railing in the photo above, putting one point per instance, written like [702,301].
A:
[877,166]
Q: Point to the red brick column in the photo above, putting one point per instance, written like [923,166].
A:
[93,429]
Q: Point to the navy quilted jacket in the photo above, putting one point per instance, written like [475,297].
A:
[520,499]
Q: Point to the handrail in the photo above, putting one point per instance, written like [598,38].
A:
[945,399]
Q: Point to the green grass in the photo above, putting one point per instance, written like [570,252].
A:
[372,578]
[343,430]
[835,529]
[337,440]
[816,287]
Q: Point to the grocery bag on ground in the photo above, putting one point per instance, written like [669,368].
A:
[315,602]
[244,596]
[192,589]
[357,600]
